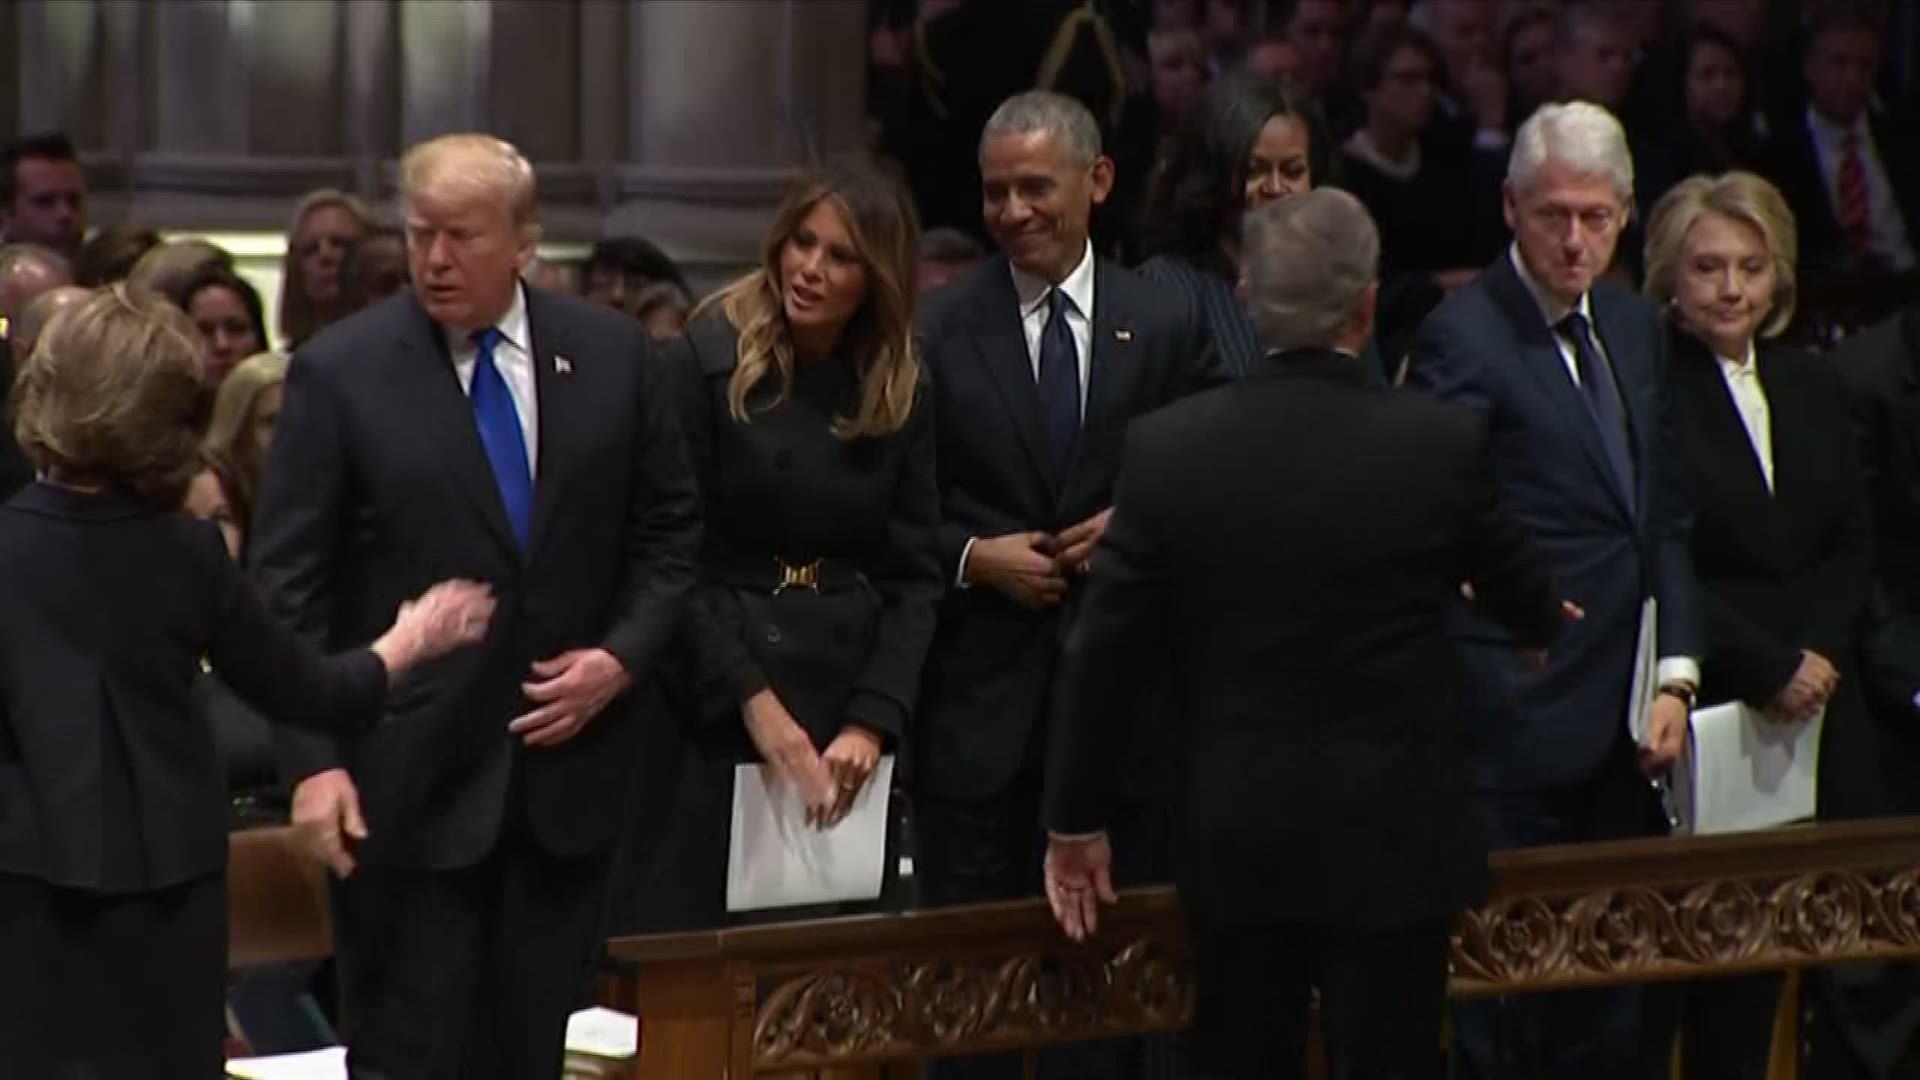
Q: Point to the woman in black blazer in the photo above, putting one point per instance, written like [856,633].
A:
[113,823]
[799,393]
[1781,543]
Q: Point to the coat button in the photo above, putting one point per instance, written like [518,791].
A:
[773,635]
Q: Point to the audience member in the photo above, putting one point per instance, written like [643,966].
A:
[471,425]
[215,495]
[109,255]
[28,271]
[617,268]
[1247,142]
[226,310]
[1178,75]
[113,892]
[246,412]
[1781,541]
[1310,861]
[25,330]
[1594,52]
[1471,89]
[945,256]
[1527,59]
[1706,125]
[313,291]
[1272,57]
[375,266]
[1317,31]
[29,274]
[1568,370]
[43,194]
[663,309]
[801,397]
[1850,169]
[554,276]
[167,268]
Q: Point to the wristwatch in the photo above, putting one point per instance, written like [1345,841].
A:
[1682,691]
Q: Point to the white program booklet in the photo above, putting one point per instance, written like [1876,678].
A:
[329,1063]
[1742,770]
[775,859]
[1646,672]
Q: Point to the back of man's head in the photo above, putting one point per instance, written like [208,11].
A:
[34,317]
[27,271]
[1310,263]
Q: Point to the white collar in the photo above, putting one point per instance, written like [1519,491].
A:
[512,326]
[1832,134]
[1078,285]
[1551,308]
[1738,368]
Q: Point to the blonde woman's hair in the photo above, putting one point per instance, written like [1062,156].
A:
[879,338]
[231,431]
[467,166]
[1737,196]
[114,393]
[300,318]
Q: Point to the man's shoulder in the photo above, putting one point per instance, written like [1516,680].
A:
[954,308]
[363,337]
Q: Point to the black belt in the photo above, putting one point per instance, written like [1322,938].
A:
[774,574]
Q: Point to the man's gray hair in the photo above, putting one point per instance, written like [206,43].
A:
[1582,137]
[22,256]
[1308,261]
[1058,115]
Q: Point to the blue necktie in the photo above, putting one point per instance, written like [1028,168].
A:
[501,434]
[1059,383]
[1603,397]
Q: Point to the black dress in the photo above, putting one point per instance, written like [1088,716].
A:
[782,488]
[113,809]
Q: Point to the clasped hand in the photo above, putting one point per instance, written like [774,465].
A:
[1032,568]
[829,782]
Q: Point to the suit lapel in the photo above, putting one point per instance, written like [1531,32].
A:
[1540,356]
[1715,418]
[563,391]
[1001,345]
[441,415]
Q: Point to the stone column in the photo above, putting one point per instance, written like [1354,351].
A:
[727,99]
[444,68]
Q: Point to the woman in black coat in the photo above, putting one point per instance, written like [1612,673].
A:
[800,395]
[1781,545]
[113,819]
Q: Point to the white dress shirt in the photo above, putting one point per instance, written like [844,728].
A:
[1750,401]
[1886,228]
[1672,669]
[1034,292]
[513,356]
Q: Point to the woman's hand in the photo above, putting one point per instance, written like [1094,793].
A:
[445,617]
[850,761]
[784,746]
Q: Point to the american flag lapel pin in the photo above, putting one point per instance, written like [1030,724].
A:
[562,366]
[1122,335]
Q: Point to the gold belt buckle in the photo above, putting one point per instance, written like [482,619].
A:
[803,576]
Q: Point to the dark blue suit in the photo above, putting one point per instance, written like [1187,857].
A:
[1551,753]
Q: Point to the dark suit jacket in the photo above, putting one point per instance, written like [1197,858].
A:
[991,668]
[108,776]
[1295,543]
[377,487]
[1788,570]
[1489,347]
[783,486]
[1796,168]
[1881,369]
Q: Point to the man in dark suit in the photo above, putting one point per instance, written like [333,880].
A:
[1568,370]
[1850,169]
[1296,544]
[1039,358]
[473,427]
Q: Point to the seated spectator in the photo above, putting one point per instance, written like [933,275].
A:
[945,255]
[1527,59]
[1594,52]
[375,267]
[617,268]
[26,272]
[245,411]
[560,277]
[1706,126]
[1396,173]
[43,194]
[1272,57]
[24,330]
[1781,543]
[1471,96]
[109,255]
[164,269]
[1851,170]
[225,308]
[1317,31]
[663,308]
[1177,75]
[313,291]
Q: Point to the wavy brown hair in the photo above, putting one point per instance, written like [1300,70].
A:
[115,394]
[879,337]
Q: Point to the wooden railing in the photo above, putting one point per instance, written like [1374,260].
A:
[849,994]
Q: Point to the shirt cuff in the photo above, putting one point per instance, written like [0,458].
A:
[960,572]
[1679,669]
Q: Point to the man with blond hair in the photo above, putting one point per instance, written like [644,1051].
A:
[474,427]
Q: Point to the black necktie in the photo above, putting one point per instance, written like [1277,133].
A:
[1603,397]
[1059,383]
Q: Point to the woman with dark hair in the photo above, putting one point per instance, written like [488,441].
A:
[1246,142]
[1710,126]
[226,310]
[800,393]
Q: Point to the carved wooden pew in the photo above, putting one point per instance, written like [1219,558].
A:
[841,997]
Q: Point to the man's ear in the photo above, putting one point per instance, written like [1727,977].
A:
[1101,177]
